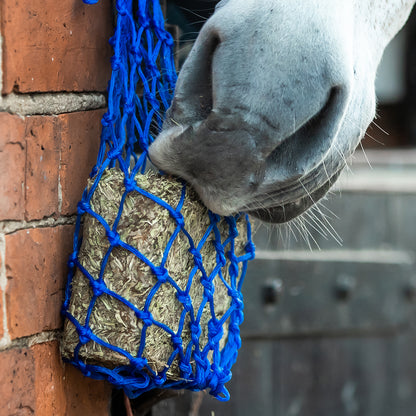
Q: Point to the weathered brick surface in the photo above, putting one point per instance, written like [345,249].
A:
[49,385]
[35,382]
[62,390]
[1,301]
[17,378]
[51,45]
[80,143]
[36,271]
[12,167]
[85,396]
[1,311]
[42,166]
[38,152]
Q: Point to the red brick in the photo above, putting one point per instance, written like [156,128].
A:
[63,390]
[42,167]
[51,45]
[49,389]
[1,311]
[36,271]
[85,396]
[17,379]
[1,299]
[29,166]
[31,151]
[12,167]
[1,315]
[79,149]
[35,381]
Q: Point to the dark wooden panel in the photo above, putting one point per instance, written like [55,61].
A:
[326,377]
[365,220]
[312,299]
[406,368]
[318,377]
[349,208]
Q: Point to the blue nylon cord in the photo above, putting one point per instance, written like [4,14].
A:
[143,58]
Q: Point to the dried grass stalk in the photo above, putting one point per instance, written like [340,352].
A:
[148,227]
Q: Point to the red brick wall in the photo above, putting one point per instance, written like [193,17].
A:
[50,51]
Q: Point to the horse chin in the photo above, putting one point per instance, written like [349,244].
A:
[290,210]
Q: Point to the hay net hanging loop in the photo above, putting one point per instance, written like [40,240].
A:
[150,302]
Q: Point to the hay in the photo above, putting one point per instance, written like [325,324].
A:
[148,227]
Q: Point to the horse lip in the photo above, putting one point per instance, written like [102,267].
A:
[290,210]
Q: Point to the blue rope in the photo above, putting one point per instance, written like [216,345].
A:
[143,57]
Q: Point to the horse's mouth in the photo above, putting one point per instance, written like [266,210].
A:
[290,210]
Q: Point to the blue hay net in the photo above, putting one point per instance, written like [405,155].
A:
[139,93]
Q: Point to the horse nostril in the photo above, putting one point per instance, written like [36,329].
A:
[194,98]
[306,148]
[317,119]
[331,102]
[206,96]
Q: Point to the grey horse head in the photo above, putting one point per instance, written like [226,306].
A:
[273,98]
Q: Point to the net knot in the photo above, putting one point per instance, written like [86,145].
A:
[237,298]
[186,369]
[161,274]
[151,99]
[185,299]
[116,64]
[138,362]
[121,10]
[195,331]
[113,153]
[98,287]
[129,184]
[159,380]
[233,230]
[146,317]
[178,217]
[164,36]
[233,269]
[129,107]
[168,39]
[135,50]
[85,334]
[197,257]
[250,249]
[72,260]
[143,20]
[83,206]
[222,261]
[113,238]
[154,71]
[215,330]
[176,341]
[107,120]
[208,288]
